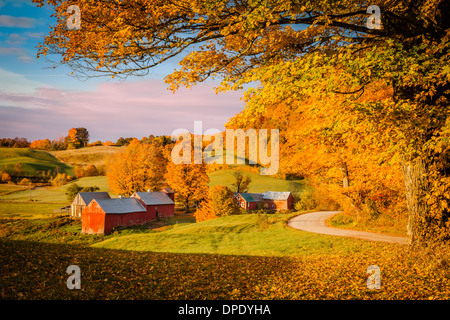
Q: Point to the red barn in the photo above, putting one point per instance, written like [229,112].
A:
[170,193]
[271,200]
[274,200]
[248,201]
[102,215]
[158,204]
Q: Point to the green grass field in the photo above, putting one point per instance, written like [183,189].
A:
[247,234]
[32,161]
[40,202]
[260,183]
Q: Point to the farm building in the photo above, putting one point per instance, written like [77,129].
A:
[278,200]
[170,193]
[157,204]
[83,199]
[102,215]
[271,200]
[248,201]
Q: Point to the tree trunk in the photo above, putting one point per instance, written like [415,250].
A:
[186,204]
[416,187]
[346,178]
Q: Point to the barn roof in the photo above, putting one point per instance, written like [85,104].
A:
[251,197]
[120,205]
[87,197]
[154,198]
[275,195]
[168,190]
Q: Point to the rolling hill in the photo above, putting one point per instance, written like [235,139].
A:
[32,161]
[85,156]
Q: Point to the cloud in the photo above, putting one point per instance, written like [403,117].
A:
[15,3]
[17,22]
[35,35]
[14,83]
[113,110]
[15,39]
[19,53]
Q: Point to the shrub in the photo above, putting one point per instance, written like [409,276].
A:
[89,171]
[5,177]
[25,182]
[72,191]
[317,198]
[59,180]
[307,201]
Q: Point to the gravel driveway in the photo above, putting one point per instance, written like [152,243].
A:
[315,222]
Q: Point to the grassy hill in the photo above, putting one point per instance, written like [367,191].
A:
[260,183]
[32,161]
[86,156]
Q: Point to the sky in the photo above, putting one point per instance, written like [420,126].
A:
[40,102]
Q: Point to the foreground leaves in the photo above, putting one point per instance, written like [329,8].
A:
[38,271]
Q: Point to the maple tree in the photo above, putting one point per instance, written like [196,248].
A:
[293,49]
[218,203]
[141,167]
[189,181]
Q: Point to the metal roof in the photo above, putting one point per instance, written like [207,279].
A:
[275,195]
[87,197]
[120,205]
[154,198]
[251,197]
[268,195]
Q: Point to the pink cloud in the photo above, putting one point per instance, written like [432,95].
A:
[113,110]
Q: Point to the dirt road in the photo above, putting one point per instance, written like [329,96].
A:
[315,222]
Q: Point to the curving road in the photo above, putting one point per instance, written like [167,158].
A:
[315,222]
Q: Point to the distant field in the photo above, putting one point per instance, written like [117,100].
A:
[32,161]
[56,194]
[28,210]
[86,156]
[42,201]
[9,188]
[260,183]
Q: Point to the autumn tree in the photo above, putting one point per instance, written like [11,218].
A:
[189,181]
[218,203]
[241,181]
[18,169]
[78,138]
[140,167]
[294,46]
[73,189]
[44,144]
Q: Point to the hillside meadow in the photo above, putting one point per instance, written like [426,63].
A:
[35,253]
[95,155]
[32,161]
[40,202]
